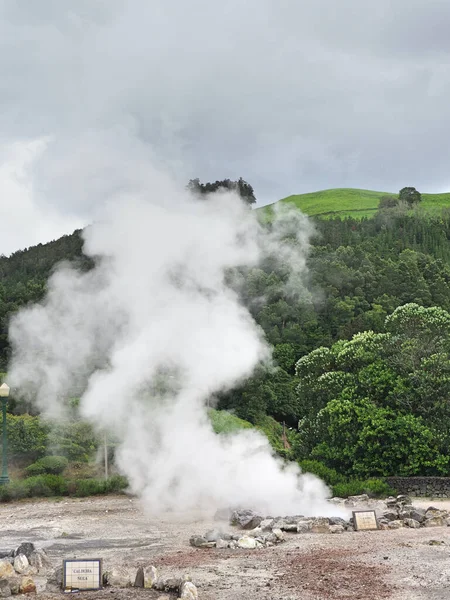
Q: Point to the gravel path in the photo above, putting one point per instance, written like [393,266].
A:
[403,564]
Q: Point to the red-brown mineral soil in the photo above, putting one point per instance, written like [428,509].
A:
[402,564]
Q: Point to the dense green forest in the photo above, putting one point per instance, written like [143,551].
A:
[362,373]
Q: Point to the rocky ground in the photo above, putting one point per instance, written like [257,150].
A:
[398,564]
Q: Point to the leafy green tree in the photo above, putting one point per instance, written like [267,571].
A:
[409,195]
[244,189]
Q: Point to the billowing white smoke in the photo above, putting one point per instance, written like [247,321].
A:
[153,331]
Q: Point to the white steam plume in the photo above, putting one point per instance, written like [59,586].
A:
[153,331]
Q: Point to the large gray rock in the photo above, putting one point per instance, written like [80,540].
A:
[150,576]
[435,512]
[199,541]
[418,514]
[320,525]
[395,524]
[337,529]
[435,522]
[246,519]
[188,591]
[304,526]
[119,577]
[412,523]
[26,548]
[21,564]
[139,580]
[39,560]
[390,515]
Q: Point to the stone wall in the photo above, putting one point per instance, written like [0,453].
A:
[437,487]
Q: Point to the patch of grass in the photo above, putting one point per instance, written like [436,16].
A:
[225,422]
[349,202]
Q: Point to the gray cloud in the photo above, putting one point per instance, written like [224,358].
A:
[294,96]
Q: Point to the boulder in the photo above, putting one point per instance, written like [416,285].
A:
[21,564]
[199,541]
[118,577]
[412,523]
[246,519]
[403,499]
[222,544]
[320,525]
[56,578]
[435,512]
[247,542]
[390,515]
[139,580]
[278,534]
[39,560]
[304,526]
[6,569]
[337,521]
[435,522]
[337,529]
[395,524]
[150,576]
[27,585]
[188,591]
[418,514]
[354,500]
[5,590]
[26,548]
[267,524]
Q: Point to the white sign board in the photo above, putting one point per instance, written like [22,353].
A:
[364,520]
[82,574]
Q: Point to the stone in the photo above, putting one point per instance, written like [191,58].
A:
[213,535]
[26,548]
[390,515]
[150,576]
[278,534]
[320,525]
[14,584]
[434,512]
[337,521]
[337,529]
[27,585]
[139,580]
[199,541]
[395,524]
[39,560]
[418,514]
[434,522]
[412,523]
[164,597]
[257,532]
[304,526]
[188,591]
[285,525]
[247,542]
[403,499]
[21,563]
[357,499]
[267,524]
[384,525]
[222,544]
[5,590]
[246,519]
[118,577]
[6,569]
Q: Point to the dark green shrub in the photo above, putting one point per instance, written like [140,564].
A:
[53,465]
[330,476]
[116,483]
[46,485]
[89,487]
[15,490]
[355,487]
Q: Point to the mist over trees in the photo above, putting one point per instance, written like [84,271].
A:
[244,189]
[363,365]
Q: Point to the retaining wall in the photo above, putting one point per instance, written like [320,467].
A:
[438,487]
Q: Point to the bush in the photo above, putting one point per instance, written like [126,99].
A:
[27,436]
[46,485]
[330,476]
[355,487]
[53,465]
[15,490]
[95,487]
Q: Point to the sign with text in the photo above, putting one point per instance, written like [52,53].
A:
[82,574]
[364,520]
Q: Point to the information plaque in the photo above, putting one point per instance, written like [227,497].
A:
[82,574]
[364,520]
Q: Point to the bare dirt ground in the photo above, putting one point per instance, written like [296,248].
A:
[403,564]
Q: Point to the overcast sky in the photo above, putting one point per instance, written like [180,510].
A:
[292,95]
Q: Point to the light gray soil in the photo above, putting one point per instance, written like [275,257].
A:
[399,564]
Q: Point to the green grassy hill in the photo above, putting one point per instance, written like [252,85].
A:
[353,202]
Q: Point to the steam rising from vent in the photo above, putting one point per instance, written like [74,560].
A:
[151,333]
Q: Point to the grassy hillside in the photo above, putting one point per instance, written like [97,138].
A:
[353,202]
